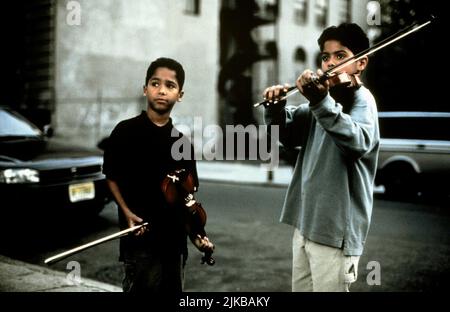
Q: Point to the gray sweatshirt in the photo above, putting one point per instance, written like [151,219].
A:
[330,196]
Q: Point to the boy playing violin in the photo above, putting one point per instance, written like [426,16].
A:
[329,200]
[137,158]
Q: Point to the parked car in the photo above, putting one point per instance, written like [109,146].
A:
[414,153]
[38,179]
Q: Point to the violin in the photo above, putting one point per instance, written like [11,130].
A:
[178,188]
[343,79]
[336,80]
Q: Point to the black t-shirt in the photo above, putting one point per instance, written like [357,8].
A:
[138,155]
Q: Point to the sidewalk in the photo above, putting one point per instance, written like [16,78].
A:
[235,172]
[18,276]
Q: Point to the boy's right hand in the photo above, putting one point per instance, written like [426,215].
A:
[274,94]
[134,220]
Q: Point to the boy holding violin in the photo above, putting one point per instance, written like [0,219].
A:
[329,200]
[137,159]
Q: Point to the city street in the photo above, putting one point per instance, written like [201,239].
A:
[80,71]
[408,241]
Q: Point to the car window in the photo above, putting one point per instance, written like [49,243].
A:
[14,125]
[415,127]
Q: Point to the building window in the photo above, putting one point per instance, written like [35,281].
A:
[300,55]
[192,7]
[345,11]
[321,12]
[319,59]
[301,11]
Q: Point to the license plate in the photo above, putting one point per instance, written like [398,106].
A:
[81,191]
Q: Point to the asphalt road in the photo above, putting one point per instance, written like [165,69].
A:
[408,244]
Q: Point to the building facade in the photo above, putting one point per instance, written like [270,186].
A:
[86,60]
[102,60]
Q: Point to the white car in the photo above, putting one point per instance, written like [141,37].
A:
[414,153]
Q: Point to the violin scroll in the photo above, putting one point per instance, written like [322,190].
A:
[207,258]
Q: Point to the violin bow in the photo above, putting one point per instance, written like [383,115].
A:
[380,45]
[72,251]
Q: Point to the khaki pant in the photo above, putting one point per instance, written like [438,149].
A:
[317,267]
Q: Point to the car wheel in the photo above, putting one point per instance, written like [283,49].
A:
[401,181]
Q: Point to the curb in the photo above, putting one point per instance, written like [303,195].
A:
[18,276]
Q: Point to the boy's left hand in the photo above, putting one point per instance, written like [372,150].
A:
[203,244]
[309,85]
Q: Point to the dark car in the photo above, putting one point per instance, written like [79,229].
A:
[414,153]
[39,179]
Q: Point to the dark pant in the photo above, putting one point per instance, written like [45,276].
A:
[154,275]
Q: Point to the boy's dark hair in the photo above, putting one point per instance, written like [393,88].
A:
[168,63]
[349,35]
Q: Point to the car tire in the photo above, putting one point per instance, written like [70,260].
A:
[401,181]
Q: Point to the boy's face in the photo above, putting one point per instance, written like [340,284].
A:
[334,53]
[162,90]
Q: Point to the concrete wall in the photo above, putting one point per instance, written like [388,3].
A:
[101,63]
